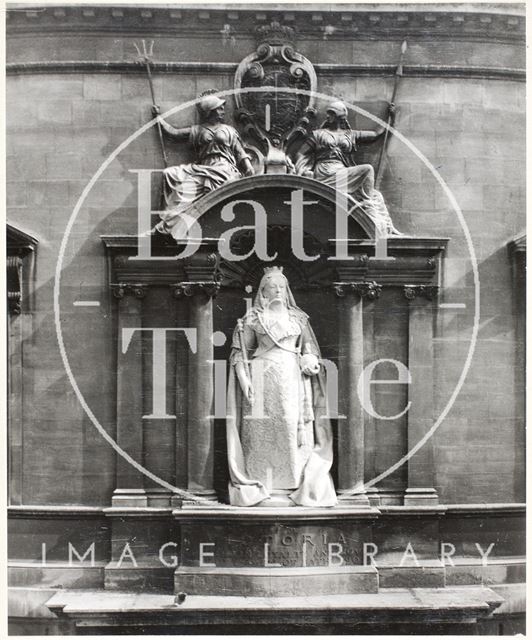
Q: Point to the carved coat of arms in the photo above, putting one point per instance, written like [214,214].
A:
[273,116]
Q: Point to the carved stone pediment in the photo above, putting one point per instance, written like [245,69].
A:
[272,118]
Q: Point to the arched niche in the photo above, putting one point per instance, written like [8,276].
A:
[353,322]
[274,193]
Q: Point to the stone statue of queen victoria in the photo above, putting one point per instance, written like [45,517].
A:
[279,437]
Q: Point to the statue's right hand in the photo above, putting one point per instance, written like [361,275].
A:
[155,110]
[248,391]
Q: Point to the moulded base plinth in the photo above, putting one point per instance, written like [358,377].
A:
[421,496]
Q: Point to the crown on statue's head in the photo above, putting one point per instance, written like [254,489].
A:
[271,271]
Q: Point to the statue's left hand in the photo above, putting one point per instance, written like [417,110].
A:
[310,365]
[392,110]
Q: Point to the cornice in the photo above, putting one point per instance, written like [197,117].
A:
[80,511]
[19,242]
[226,68]
[54,511]
[362,23]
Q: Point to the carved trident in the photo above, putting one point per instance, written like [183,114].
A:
[145,57]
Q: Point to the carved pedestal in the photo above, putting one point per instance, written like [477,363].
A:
[275,552]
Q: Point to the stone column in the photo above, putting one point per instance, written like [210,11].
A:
[183,354]
[158,431]
[129,490]
[517,253]
[350,366]
[370,436]
[200,437]
[420,416]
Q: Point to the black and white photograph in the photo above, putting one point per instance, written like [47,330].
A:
[266,318]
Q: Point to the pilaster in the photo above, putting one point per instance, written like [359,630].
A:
[420,490]
[129,490]
[200,287]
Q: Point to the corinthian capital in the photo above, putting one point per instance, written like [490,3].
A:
[369,290]
[137,290]
[412,291]
[188,289]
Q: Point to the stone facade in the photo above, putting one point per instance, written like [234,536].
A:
[75,92]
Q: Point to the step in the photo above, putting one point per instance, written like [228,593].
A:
[497,570]
[56,575]
[276,581]
[97,608]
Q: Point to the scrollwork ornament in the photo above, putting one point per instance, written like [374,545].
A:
[410,292]
[183,289]
[139,292]
[341,289]
[118,291]
[263,51]
[296,69]
[256,70]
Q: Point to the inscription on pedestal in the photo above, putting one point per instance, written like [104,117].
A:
[274,545]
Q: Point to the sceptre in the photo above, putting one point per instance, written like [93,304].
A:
[398,74]
[145,57]
[240,330]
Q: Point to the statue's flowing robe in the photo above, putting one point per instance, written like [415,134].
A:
[327,153]
[219,152]
[287,446]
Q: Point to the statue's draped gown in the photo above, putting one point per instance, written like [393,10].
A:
[284,443]
[219,151]
[327,152]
